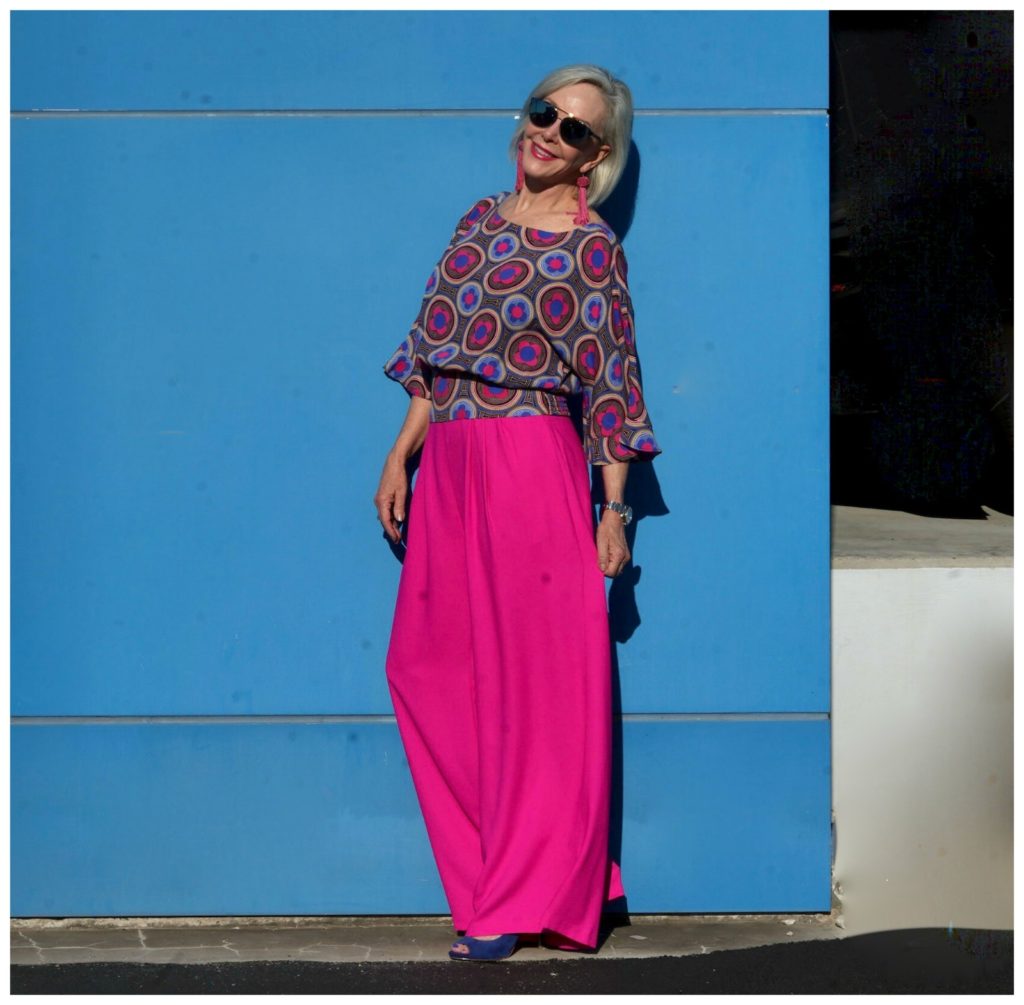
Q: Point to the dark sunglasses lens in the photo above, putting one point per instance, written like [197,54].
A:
[542,113]
[574,132]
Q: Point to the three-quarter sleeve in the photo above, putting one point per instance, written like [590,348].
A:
[616,426]
[406,365]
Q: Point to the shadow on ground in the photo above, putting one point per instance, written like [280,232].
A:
[909,961]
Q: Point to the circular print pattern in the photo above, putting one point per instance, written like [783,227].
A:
[443,390]
[595,309]
[494,222]
[462,261]
[482,331]
[440,319]
[619,263]
[477,211]
[642,443]
[503,246]
[558,308]
[613,372]
[490,396]
[463,409]
[509,276]
[417,386]
[491,368]
[607,416]
[625,326]
[469,297]
[517,311]
[432,281]
[635,407]
[616,312]
[400,364]
[528,353]
[595,259]
[588,358]
[438,357]
[540,240]
[556,265]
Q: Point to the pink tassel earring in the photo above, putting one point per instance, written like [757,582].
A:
[583,216]
[520,180]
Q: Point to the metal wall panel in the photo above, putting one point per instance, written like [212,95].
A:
[321,818]
[202,60]
[201,307]
[200,414]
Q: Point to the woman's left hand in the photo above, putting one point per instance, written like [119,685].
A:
[612,550]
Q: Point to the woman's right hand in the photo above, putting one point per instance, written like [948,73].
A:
[391,497]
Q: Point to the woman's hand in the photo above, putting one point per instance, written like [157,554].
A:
[391,497]
[612,550]
[393,490]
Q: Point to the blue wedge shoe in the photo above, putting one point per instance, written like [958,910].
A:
[490,950]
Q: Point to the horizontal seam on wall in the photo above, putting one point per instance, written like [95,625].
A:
[58,113]
[252,720]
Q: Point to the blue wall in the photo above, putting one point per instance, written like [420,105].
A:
[203,295]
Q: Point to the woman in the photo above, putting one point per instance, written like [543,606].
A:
[499,661]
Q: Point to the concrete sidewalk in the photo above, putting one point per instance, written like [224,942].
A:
[653,954]
[378,939]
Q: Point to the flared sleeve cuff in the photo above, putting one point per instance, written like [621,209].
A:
[406,367]
[617,426]
[611,436]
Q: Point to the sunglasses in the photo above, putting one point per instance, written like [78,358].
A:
[574,131]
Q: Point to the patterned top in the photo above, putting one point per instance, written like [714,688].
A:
[514,320]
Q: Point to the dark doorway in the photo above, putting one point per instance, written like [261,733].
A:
[921,127]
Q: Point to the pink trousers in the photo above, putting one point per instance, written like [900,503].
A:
[499,669]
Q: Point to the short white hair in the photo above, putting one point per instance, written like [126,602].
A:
[616,131]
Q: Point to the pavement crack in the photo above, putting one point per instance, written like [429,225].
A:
[34,945]
[338,945]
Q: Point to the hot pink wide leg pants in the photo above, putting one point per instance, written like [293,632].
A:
[499,668]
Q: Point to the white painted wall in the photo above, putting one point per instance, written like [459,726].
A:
[922,704]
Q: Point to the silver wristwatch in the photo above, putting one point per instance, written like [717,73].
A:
[626,512]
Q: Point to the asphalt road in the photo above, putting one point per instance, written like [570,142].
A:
[909,961]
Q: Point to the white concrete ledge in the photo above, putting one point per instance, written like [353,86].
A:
[922,745]
[865,538]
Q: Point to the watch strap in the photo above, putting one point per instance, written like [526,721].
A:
[622,509]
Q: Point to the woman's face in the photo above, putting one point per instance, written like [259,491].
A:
[546,156]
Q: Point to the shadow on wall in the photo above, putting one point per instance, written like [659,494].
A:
[643,493]
[619,207]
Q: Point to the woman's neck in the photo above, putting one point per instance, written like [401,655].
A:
[551,200]
[549,208]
